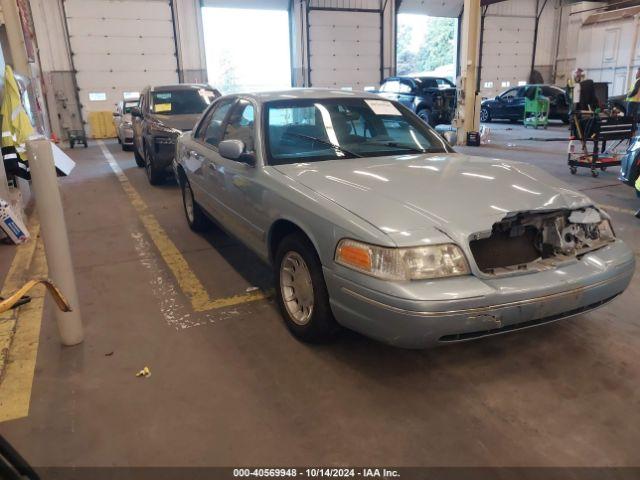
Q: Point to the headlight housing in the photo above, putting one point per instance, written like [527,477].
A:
[605,230]
[156,127]
[416,263]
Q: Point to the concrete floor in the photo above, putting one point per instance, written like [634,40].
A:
[232,387]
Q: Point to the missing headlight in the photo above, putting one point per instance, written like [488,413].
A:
[535,241]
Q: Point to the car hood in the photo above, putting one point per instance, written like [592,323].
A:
[179,122]
[458,195]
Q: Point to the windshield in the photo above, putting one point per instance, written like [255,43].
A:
[333,129]
[128,106]
[182,102]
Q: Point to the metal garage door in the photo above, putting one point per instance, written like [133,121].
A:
[344,48]
[119,46]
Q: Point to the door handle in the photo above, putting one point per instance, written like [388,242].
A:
[212,166]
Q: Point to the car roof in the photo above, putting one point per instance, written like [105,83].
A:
[422,77]
[305,93]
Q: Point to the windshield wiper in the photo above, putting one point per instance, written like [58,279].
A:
[398,145]
[324,142]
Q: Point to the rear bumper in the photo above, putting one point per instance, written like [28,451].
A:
[513,302]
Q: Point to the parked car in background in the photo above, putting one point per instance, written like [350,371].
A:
[162,114]
[630,165]
[509,105]
[363,211]
[433,99]
[122,122]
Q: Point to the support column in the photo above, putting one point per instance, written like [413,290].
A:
[468,115]
[15,38]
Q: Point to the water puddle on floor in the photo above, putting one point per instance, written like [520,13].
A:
[174,307]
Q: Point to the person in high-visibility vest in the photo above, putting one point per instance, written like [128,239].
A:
[633,98]
[574,79]
[16,128]
[638,193]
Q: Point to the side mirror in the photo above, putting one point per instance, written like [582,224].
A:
[234,150]
[498,98]
[136,112]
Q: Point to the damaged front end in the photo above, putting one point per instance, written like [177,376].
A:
[535,241]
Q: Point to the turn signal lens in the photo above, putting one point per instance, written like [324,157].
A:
[418,263]
[354,255]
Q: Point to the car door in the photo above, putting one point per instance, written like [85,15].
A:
[406,93]
[241,195]
[503,103]
[558,105]
[202,157]
[515,107]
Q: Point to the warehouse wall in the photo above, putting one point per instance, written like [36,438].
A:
[508,43]
[609,50]
[122,72]
[347,44]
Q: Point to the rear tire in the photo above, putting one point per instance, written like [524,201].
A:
[197,220]
[302,292]
[155,175]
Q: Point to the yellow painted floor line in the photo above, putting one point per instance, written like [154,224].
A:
[184,275]
[15,389]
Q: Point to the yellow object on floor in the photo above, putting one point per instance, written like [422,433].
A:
[61,301]
[101,125]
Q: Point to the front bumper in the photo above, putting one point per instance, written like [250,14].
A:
[164,151]
[507,304]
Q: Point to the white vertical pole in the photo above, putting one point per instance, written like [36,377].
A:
[54,235]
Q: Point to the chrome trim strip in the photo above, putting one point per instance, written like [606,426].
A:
[489,308]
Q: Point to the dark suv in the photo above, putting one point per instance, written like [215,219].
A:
[432,98]
[162,114]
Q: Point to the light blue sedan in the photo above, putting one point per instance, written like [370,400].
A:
[371,221]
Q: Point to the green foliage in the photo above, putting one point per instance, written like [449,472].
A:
[436,49]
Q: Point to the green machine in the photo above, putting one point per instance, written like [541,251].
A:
[536,108]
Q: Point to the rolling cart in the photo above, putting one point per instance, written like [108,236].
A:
[536,110]
[598,141]
[77,137]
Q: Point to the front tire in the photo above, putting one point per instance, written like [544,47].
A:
[155,175]
[137,156]
[301,291]
[197,220]
[485,115]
